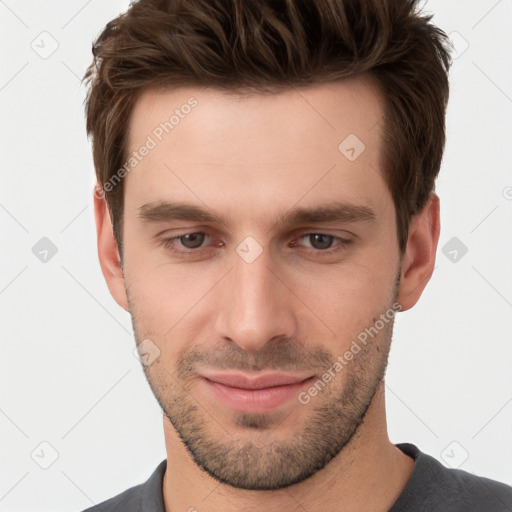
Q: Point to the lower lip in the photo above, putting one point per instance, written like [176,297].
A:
[254,400]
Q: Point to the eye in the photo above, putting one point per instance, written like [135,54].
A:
[192,240]
[323,243]
[320,241]
[188,244]
[188,241]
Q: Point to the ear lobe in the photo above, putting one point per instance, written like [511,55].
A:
[108,251]
[420,255]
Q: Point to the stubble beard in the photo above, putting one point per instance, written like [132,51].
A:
[248,455]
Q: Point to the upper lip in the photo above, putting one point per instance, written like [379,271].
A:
[244,381]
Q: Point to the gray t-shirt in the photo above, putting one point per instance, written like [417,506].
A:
[431,488]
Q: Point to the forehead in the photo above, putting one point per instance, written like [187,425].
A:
[323,140]
[326,111]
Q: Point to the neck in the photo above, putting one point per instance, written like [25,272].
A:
[368,474]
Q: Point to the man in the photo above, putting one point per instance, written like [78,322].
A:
[265,206]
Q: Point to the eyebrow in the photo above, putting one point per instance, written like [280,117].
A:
[165,211]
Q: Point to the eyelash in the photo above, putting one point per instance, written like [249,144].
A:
[343,243]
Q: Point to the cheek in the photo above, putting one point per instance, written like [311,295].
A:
[349,300]
[165,296]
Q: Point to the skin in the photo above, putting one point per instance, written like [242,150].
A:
[250,159]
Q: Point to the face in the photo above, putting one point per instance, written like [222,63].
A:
[259,246]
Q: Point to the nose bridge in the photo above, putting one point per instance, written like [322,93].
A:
[257,306]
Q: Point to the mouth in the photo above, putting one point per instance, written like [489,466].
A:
[254,393]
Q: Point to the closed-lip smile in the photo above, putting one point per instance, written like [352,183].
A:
[256,392]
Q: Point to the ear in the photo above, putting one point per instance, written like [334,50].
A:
[420,254]
[108,251]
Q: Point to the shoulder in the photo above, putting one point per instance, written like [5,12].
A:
[471,492]
[145,497]
[434,487]
[128,501]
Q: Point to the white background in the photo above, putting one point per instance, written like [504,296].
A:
[68,373]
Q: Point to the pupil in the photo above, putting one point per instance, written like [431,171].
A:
[192,240]
[324,241]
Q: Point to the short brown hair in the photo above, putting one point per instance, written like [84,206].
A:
[269,46]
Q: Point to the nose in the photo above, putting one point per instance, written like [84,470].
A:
[256,305]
